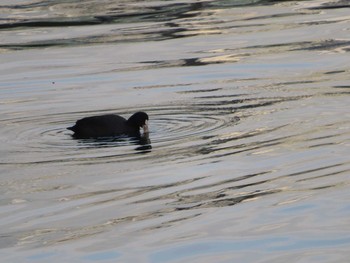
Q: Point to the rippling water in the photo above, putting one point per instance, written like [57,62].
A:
[248,155]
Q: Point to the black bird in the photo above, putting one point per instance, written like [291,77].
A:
[110,125]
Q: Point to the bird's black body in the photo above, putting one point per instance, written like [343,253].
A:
[109,125]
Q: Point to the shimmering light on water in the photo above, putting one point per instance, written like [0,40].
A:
[247,158]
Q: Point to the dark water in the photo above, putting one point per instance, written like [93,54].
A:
[248,155]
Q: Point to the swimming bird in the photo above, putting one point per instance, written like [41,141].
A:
[110,125]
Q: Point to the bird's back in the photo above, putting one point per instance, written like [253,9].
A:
[100,126]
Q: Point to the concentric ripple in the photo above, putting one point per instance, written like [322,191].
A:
[173,124]
[45,139]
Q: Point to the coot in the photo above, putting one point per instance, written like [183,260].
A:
[110,125]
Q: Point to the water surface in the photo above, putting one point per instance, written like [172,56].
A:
[247,158]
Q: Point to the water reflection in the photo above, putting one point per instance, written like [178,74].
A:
[249,127]
[143,142]
[165,21]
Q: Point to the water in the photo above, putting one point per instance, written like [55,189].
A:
[248,155]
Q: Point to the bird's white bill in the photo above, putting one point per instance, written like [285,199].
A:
[145,127]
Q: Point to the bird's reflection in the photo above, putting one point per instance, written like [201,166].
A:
[142,142]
